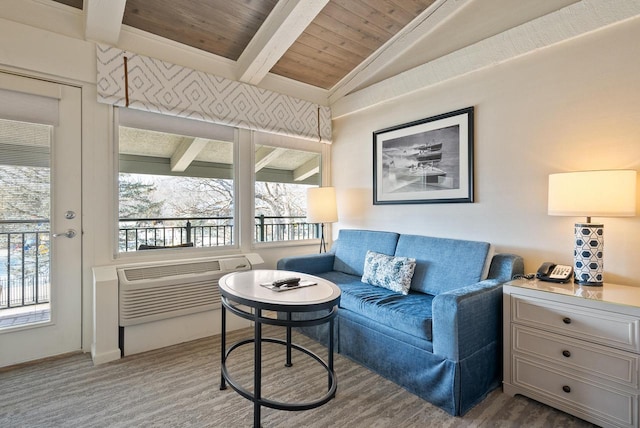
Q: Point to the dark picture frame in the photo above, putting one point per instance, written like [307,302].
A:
[426,161]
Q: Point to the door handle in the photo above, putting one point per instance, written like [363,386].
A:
[68,234]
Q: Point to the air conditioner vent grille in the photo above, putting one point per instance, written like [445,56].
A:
[143,305]
[156,292]
[163,271]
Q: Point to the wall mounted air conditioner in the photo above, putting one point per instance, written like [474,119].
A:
[167,303]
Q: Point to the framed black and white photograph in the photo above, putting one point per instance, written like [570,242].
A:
[425,161]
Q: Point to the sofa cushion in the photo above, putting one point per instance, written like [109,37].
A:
[352,245]
[410,314]
[390,272]
[443,264]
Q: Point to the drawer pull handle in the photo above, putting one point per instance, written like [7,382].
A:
[566,320]
[566,388]
[566,353]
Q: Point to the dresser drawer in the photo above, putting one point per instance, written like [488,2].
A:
[607,328]
[594,360]
[589,397]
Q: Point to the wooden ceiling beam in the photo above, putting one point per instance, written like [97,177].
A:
[425,23]
[531,36]
[307,169]
[186,153]
[264,155]
[283,26]
[103,20]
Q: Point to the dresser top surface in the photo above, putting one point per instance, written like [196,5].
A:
[627,295]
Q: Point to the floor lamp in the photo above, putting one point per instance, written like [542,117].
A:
[610,193]
[322,208]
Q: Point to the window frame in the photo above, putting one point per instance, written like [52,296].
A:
[181,126]
[244,179]
[280,141]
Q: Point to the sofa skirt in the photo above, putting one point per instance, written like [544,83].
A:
[453,386]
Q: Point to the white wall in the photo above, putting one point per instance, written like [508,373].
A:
[572,106]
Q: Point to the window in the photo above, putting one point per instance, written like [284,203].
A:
[282,178]
[175,183]
[24,214]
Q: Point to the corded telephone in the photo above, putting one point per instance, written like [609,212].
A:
[554,273]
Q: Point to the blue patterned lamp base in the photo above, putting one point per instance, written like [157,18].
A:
[587,255]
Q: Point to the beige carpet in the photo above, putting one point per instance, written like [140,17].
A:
[178,386]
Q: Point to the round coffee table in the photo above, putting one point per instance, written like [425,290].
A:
[244,288]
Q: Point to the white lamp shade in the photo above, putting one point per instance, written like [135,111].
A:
[609,193]
[321,205]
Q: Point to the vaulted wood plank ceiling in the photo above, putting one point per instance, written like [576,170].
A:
[221,27]
[341,36]
[339,46]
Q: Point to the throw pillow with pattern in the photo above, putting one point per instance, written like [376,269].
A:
[393,273]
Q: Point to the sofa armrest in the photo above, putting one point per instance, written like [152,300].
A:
[467,319]
[505,266]
[311,264]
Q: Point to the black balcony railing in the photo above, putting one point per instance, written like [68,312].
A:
[24,263]
[137,233]
[25,246]
[292,228]
[170,232]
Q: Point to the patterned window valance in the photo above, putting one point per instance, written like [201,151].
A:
[127,79]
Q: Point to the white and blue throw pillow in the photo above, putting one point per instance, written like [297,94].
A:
[393,273]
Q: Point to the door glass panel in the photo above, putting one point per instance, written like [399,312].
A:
[25,286]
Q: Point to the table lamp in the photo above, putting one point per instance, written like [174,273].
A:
[322,208]
[609,193]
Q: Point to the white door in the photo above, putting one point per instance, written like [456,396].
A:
[40,219]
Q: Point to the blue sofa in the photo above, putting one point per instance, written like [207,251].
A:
[442,340]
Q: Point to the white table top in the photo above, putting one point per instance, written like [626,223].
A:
[246,285]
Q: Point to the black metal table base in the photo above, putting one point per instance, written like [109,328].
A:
[256,397]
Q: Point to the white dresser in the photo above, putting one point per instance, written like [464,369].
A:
[575,348]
